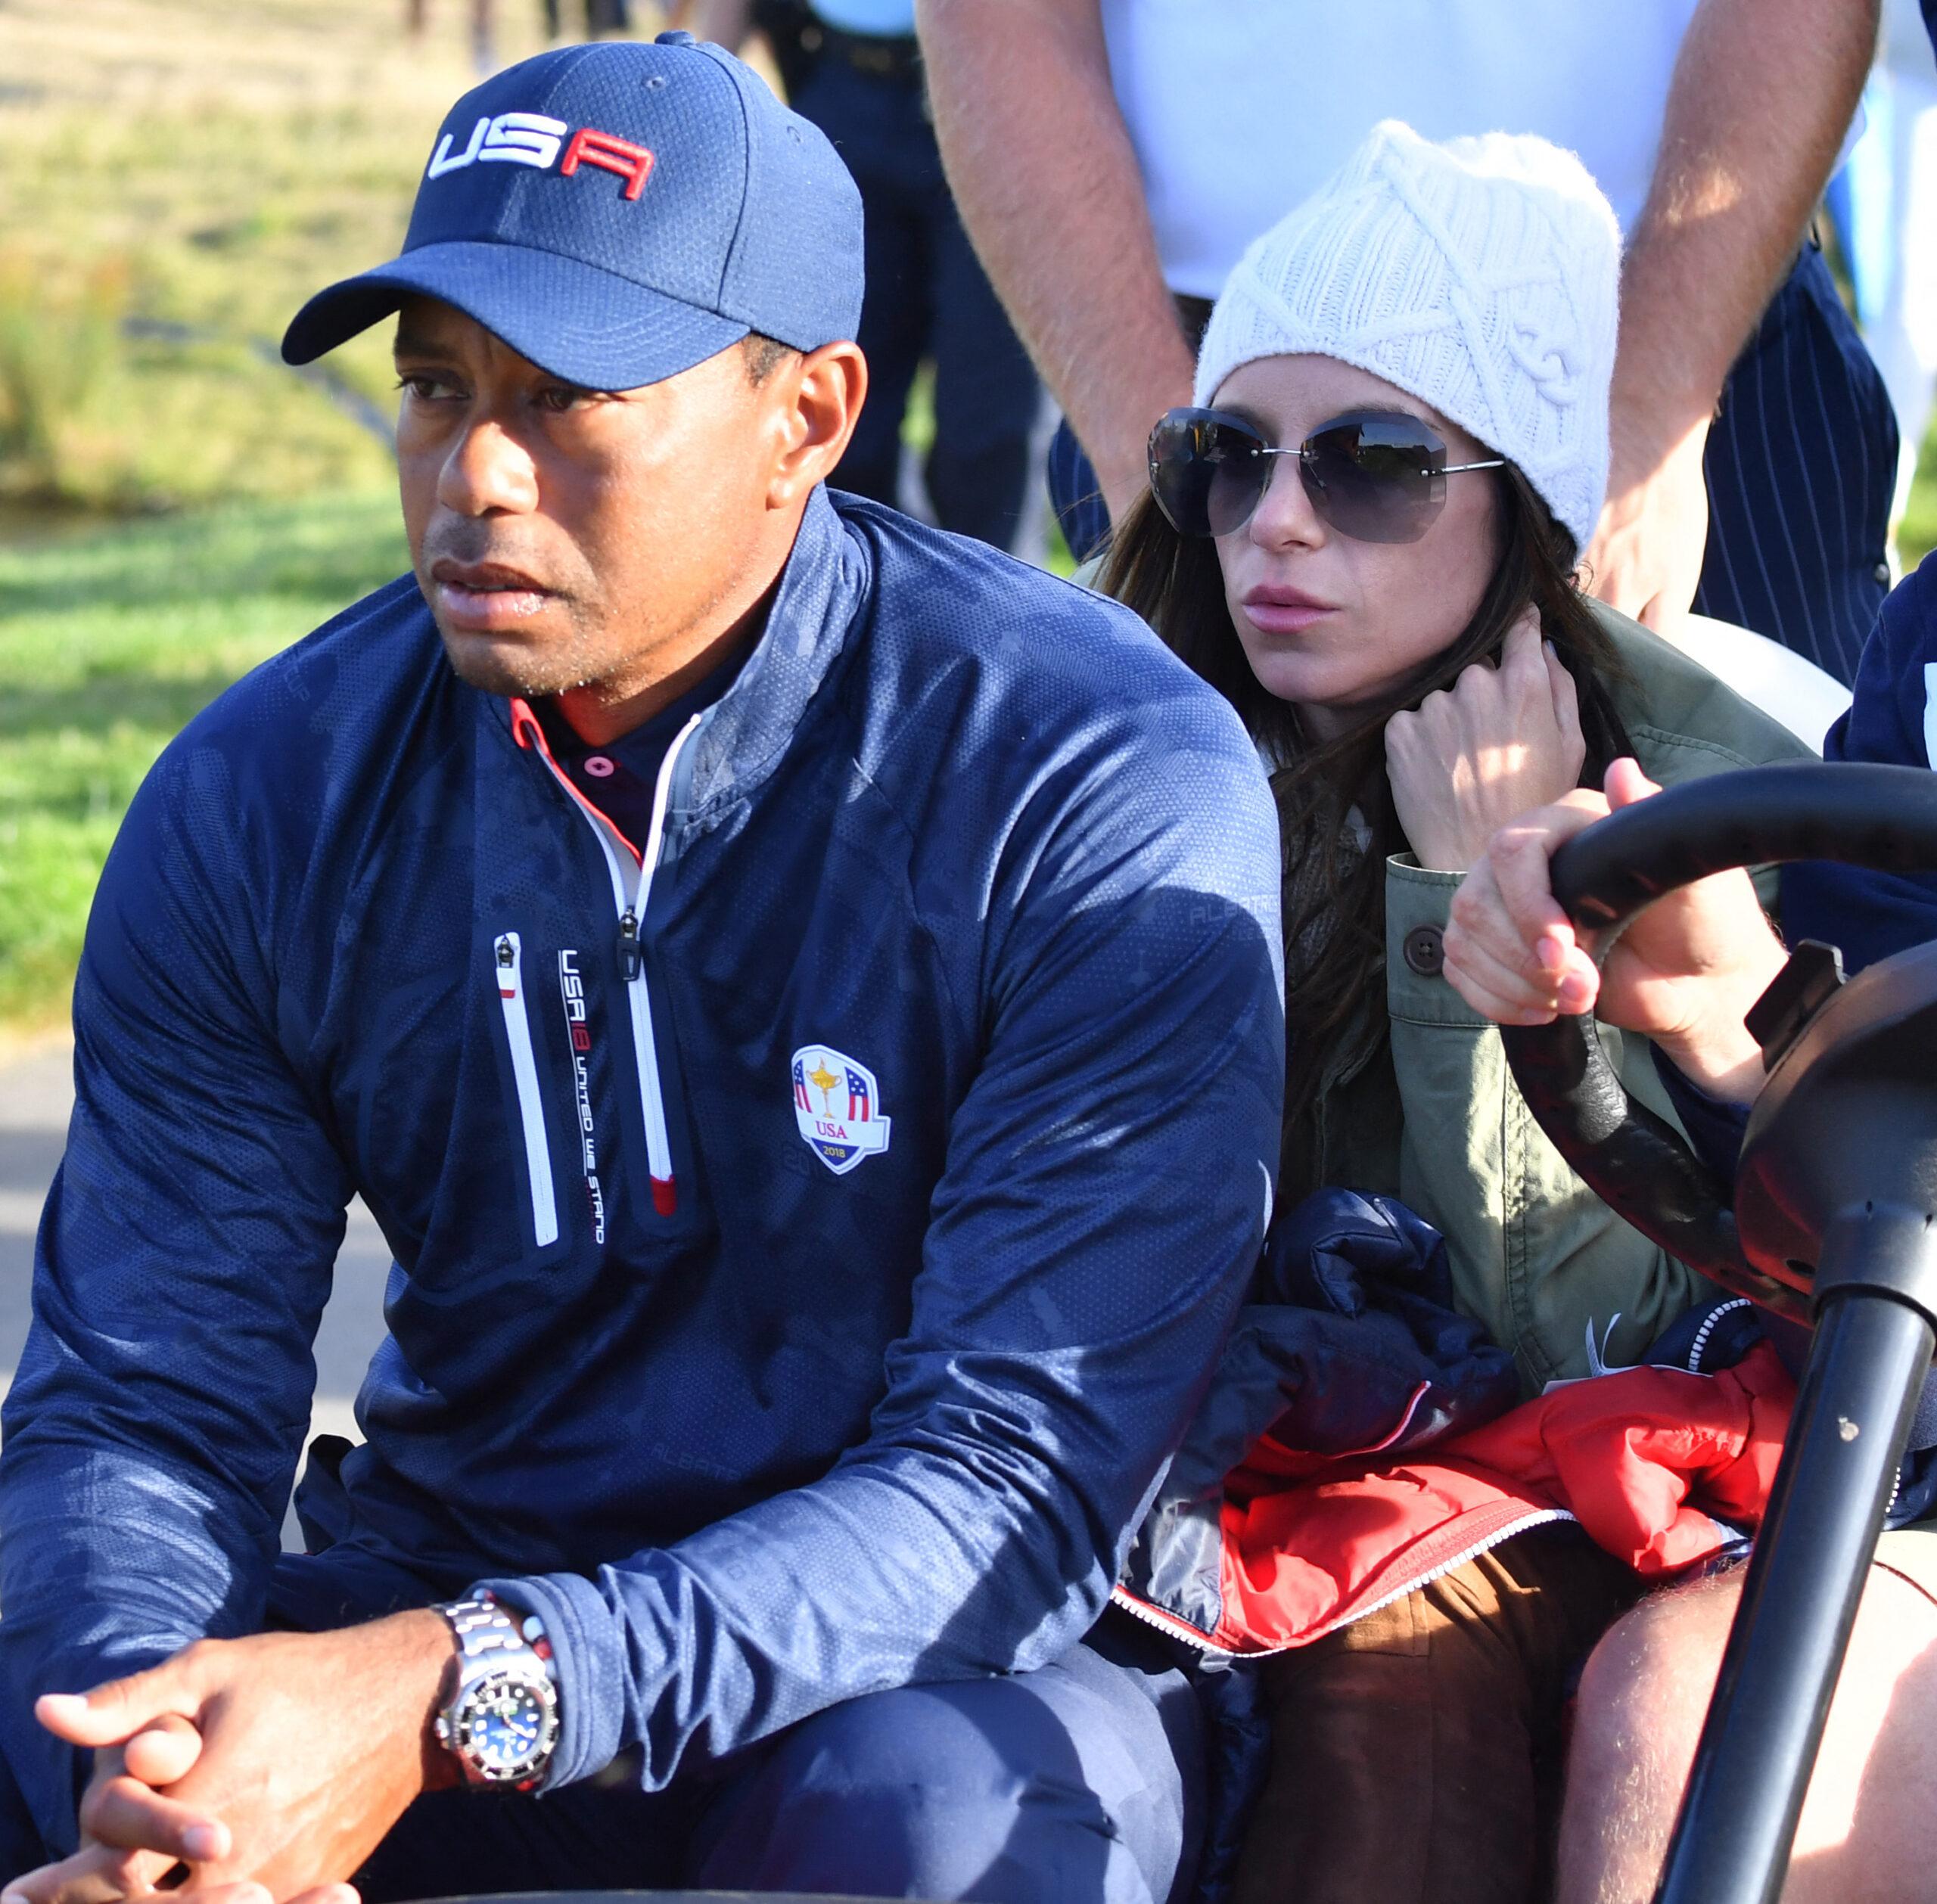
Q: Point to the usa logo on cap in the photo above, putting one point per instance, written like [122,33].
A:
[535,138]
[617,213]
[837,1105]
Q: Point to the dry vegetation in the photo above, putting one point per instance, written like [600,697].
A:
[198,166]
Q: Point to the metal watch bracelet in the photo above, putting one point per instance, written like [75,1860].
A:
[501,1722]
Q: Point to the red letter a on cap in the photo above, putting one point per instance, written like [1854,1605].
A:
[633,164]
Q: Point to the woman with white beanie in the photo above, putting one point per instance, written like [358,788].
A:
[1365,536]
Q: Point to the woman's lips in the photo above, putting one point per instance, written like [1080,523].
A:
[1284,611]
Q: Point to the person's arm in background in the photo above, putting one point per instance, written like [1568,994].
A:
[1763,93]
[1048,184]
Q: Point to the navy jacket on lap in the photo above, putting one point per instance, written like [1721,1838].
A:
[810,1315]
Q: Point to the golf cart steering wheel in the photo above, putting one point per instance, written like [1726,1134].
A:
[1881,817]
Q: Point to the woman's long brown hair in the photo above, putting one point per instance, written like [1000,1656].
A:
[1174,582]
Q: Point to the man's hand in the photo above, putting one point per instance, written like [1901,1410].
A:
[281,1760]
[1645,558]
[1499,741]
[1684,973]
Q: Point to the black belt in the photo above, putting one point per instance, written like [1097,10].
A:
[896,57]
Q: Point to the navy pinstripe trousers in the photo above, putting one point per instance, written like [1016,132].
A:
[1801,460]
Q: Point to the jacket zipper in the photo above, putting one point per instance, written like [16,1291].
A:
[631,869]
[1178,1628]
[1708,1328]
[530,1107]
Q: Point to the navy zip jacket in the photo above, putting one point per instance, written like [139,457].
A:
[808,1313]
[1893,719]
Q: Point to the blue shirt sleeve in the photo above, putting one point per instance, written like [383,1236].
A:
[1714,1125]
[1892,718]
[1107,1189]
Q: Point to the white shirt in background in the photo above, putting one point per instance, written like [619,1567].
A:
[885,19]
[1240,109]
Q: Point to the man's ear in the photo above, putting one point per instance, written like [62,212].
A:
[821,394]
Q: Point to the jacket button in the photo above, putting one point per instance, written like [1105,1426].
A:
[1425,948]
[1881,571]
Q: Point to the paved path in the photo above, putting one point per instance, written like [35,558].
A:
[36,1095]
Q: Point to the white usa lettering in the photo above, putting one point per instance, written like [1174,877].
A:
[511,138]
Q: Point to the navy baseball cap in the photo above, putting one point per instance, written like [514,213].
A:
[617,213]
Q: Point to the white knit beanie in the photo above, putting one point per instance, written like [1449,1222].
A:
[1479,275]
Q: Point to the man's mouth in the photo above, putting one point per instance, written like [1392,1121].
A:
[485,596]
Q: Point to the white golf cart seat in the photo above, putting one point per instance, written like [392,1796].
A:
[1777,679]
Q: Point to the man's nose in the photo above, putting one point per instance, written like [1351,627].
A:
[1284,517]
[488,471]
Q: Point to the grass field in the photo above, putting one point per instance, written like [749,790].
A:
[199,166]
[110,641]
[174,505]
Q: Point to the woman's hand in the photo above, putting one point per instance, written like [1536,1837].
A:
[1499,741]
[1685,974]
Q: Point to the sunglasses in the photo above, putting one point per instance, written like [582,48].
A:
[1377,476]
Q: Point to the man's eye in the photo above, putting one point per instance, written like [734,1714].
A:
[558,398]
[423,388]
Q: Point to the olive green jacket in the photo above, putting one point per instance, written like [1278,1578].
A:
[1432,1116]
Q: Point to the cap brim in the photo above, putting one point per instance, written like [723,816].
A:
[584,325]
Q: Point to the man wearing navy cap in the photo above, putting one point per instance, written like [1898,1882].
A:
[797,990]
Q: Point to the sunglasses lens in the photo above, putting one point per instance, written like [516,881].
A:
[1376,478]
[1206,471]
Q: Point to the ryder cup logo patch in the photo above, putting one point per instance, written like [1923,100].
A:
[837,1105]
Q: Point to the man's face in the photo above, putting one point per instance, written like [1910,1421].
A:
[568,538]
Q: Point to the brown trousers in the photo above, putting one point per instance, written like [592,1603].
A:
[1417,1753]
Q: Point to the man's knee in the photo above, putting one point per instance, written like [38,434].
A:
[1643,1694]
[1864,1830]
[1647,1683]
[1008,1790]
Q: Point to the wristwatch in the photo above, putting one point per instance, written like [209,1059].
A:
[501,1721]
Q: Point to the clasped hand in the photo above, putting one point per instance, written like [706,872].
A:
[271,1767]
[1685,974]
[1474,756]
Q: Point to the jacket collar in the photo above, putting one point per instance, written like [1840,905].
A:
[825,587]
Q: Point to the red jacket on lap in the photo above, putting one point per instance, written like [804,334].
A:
[1650,1460]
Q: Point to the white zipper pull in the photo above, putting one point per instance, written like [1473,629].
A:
[632,869]
[530,1105]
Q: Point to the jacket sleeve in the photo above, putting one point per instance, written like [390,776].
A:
[1107,1187]
[1536,1255]
[1893,719]
[183,1261]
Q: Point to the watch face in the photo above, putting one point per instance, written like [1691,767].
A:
[507,1723]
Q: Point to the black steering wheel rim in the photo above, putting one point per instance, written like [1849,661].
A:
[1883,818]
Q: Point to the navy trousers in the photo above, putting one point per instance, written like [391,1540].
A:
[1801,462]
[928,297]
[1081,1782]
